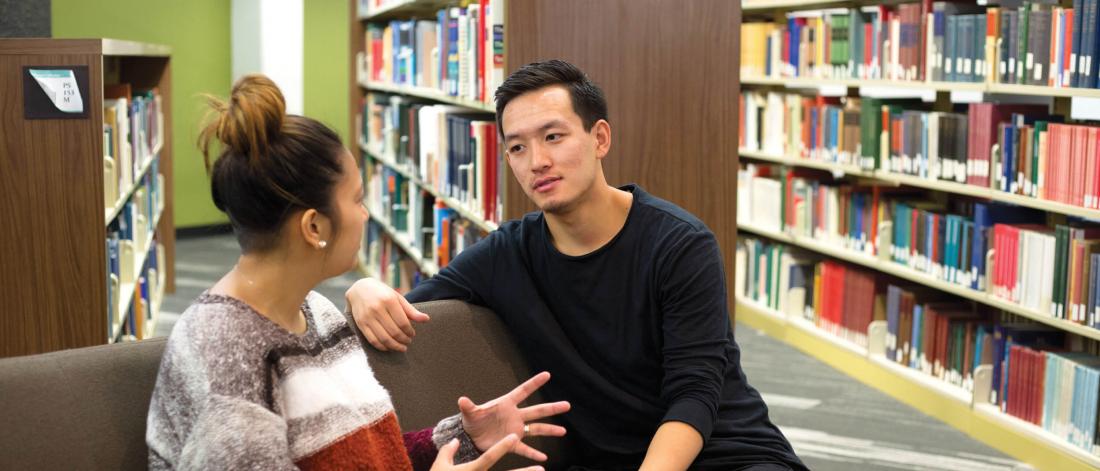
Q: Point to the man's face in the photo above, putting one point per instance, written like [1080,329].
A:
[555,160]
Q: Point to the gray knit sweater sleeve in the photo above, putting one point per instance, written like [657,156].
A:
[208,409]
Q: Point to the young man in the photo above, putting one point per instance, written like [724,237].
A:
[619,294]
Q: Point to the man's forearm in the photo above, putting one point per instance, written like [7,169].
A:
[674,447]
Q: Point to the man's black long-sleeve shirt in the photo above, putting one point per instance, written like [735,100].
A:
[635,334]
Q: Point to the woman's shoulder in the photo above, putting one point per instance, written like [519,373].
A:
[326,316]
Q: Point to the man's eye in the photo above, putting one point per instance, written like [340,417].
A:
[553,137]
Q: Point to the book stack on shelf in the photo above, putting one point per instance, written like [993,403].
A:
[924,198]
[133,136]
[428,71]
[1038,43]
[95,257]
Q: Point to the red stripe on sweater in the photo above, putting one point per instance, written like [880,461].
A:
[376,447]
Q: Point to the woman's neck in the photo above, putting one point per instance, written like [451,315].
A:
[272,286]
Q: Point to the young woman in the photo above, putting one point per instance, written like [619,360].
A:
[263,373]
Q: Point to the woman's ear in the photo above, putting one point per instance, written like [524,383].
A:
[316,228]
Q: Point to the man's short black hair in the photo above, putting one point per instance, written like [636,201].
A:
[588,100]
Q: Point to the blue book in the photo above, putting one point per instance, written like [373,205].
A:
[452,52]
[1050,383]
[949,48]
[793,41]
[893,301]
[939,27]
[950,246]
[917,336]
[1075,51]
[1088,46]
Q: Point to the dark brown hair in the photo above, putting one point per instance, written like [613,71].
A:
[587,98]
[271,164]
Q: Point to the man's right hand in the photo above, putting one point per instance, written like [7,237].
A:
[383,315]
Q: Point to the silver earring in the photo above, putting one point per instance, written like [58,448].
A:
[322,244]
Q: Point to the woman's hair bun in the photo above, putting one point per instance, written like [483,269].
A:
[249,122]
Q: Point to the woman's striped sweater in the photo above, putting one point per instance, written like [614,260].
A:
[235,390]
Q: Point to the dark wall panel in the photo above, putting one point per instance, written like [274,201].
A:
[25,19]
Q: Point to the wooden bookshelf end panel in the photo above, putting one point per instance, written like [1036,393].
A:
[52,175]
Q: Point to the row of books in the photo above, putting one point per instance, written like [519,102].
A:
[386,261]
[128,238]
[1017,149]
[1039,374]
[454,152]
[133,128]
[135,319]
[1045,267]
[1050,270]
[1033,43]
[460,53]
[422,221]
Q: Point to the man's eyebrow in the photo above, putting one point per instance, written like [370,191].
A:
[549,124]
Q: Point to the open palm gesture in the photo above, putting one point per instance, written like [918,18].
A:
[492,421]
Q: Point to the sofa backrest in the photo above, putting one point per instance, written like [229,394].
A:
[86,408]
[78,409]
[463,350]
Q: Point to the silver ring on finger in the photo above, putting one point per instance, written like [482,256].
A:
[526,430]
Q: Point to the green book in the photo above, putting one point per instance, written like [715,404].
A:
[1061,238]
[870,125]
[839,53]
[1040,131]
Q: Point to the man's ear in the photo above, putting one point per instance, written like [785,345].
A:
[315,228]
[602,132]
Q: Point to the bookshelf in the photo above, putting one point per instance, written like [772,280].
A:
[910,85]
[820,80]
[69,187]
[613,54]
[428,94]
[952,405]
[929,184]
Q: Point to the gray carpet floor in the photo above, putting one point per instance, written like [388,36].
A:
[834,422]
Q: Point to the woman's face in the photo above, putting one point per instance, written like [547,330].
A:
[343,251]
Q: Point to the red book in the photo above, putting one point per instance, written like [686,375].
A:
[1077,154]
[1000,252]
[1011,398]
[867,50]
[1068,43]
[1082,170]
[1096,173]
[1040,387]
[925,13]
[1029,376]
[1036,376]
[1088,171]
[1053,133]
[838,305]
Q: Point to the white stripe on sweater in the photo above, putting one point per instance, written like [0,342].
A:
[348,382]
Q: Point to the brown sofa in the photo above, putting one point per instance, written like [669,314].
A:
[85,408]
